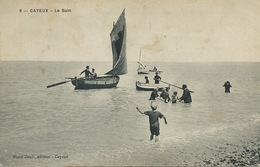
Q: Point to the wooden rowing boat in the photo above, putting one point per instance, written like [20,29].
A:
[111,78]
[150,86]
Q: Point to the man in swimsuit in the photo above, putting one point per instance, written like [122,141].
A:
[227,86]
[154,94]
[186,97]
[154,120]
[94,74]
[157,78]
[87,73]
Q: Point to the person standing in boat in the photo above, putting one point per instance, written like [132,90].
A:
[87,73]
[157,78]
[146,80]
[154,120]
[94,74]
[227,86]
[154,94]
[186,97]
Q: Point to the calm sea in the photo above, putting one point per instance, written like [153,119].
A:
[102,127]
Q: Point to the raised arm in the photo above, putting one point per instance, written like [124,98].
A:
[82,72]
[165,121]
[139,110]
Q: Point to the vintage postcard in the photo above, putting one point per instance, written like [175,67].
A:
[129,83]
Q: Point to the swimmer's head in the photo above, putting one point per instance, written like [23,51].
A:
[153,105]
[184,86]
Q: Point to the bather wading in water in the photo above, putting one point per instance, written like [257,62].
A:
[154,120]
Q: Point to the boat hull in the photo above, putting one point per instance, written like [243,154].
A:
[159,72]
[142,71]
[149,86]
[98,83]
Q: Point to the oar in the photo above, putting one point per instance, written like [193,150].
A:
[72,78]
[68,78]
[63,82]
[174,85]
[56,84]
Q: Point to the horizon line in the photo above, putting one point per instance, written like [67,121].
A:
[134,61]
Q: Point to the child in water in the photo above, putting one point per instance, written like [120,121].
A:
[174,97]
[165,95]
[146,79]
[154,116]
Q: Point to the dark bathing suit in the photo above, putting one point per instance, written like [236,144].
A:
[157,79]
[154,94]
[154,121]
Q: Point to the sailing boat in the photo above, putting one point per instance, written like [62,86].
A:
[111,78]
[142,68]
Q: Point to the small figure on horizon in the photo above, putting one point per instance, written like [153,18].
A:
[154,68]
[227,86]
[154,94]
[87,72]
[94,74]
[157,78]
[174,97]
[146,79]
[154,120]
[186,97]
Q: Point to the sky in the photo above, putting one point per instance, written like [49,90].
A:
[164,30]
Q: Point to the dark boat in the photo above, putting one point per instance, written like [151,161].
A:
[150,86]
[111,78]
[101,82]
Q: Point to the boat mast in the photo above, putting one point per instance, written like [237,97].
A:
[140,59]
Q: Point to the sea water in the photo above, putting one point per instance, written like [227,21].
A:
[60,126]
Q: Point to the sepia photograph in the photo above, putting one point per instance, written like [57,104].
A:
[129,83]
